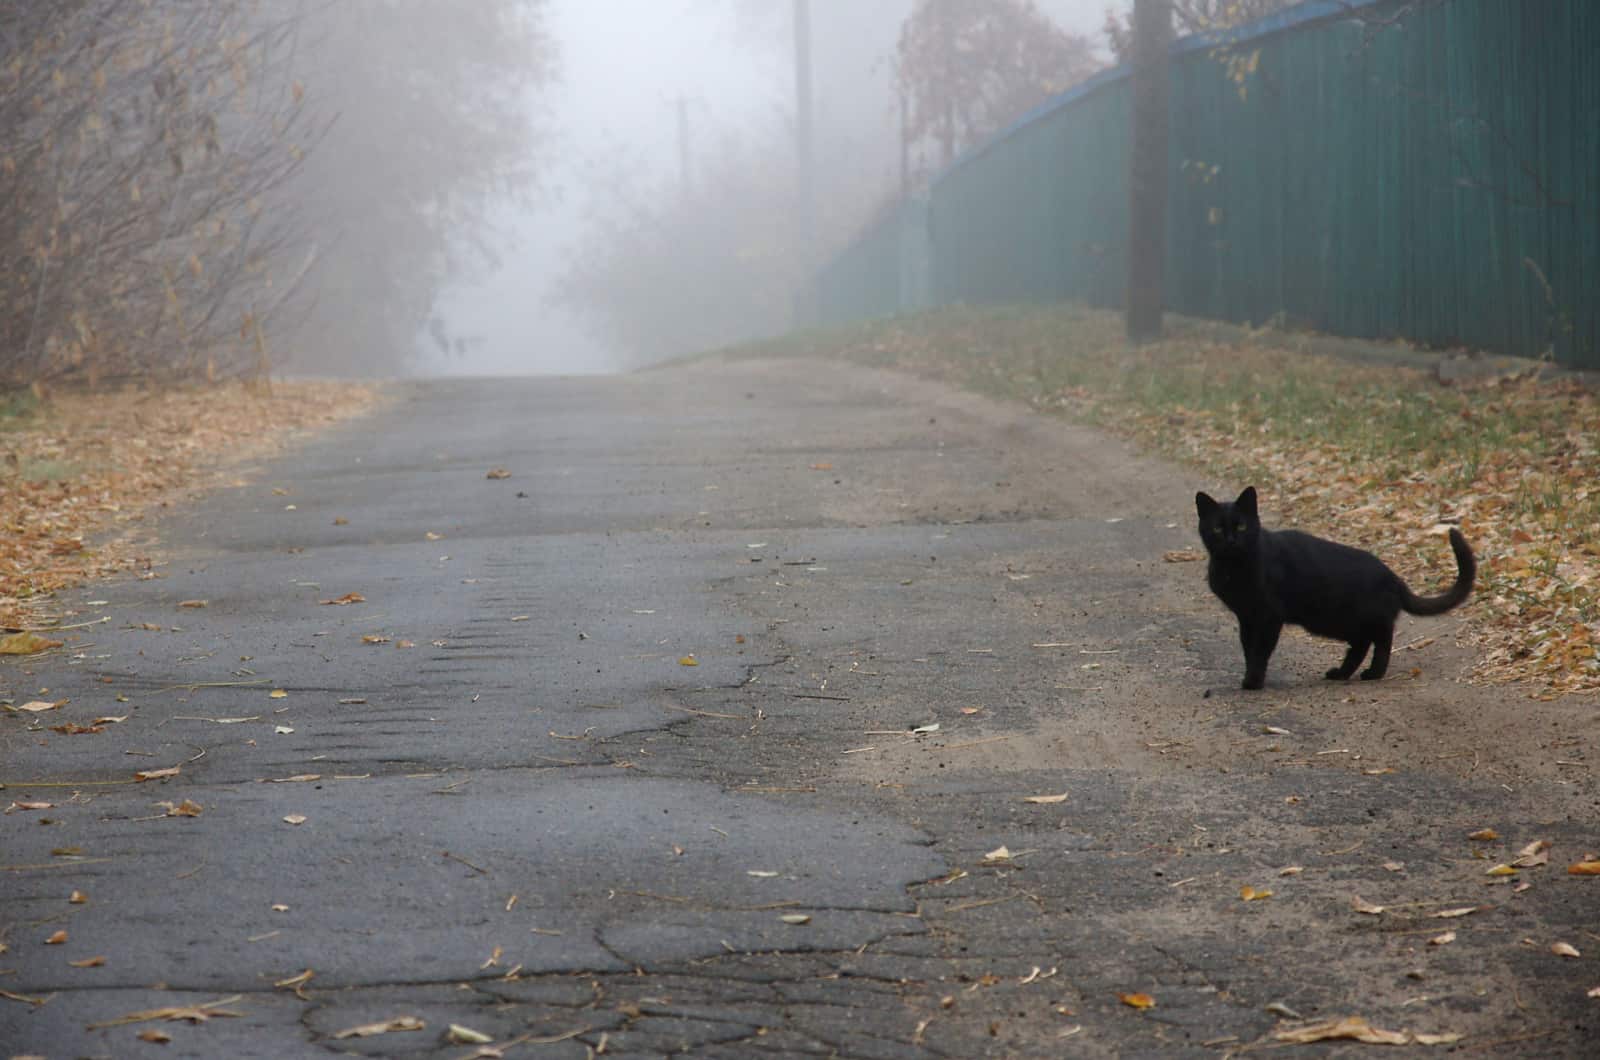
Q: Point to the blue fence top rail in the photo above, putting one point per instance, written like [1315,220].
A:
[1266,26]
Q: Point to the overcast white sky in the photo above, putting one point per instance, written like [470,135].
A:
[623,63]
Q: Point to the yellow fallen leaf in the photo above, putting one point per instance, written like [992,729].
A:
[374,638]
[466,1035]
[1564,949]
[1046,800]
[88,962]
[1250,894]
[26,644]
[1533,855]
[295,818]
[1484,835]
[77,898]
[1138,1001]
[431,536]
[1501,870]
[1352,1027]
[155,1037]
[194,604]
[277,693]
[157,774]
[688,660]
[57,939]
[1587,867]
[367,1030]
[1181,555]
[997,856]
[498,472]
[39,706]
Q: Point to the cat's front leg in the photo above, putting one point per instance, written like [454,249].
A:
[1259,639]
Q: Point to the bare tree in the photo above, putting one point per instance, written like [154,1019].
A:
[967,68]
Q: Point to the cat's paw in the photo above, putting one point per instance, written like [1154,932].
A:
[1252,683]
[1337,674]
[1370,674]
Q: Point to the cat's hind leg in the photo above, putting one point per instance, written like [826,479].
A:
[1352,659]
[1382,642]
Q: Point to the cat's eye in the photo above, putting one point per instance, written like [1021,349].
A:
[1240,528]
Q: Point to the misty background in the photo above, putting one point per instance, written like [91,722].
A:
[623,67]
[392,187]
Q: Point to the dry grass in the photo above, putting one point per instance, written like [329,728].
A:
[1378,456]
[79,468]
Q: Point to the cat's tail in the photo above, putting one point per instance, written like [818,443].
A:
[1467,569]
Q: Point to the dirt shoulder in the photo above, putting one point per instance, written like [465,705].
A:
[81,469]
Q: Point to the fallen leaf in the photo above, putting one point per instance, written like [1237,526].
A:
[520,618]
[1394,866]
[1587,867]
[923,730]
[498,472]
[1501,870]
[1181,555]
[157,774]
[1291,870]
[194,604]
[374,638]
[1484,835]
[295,818]
[431,536]
[346,599]
[997,856]
[296,980]
[795,918]
[279,907]
[1448,1038]
[77,898]
[186,808]
[192,1013]
[1250,894]
[1352,1027]
[1443,940]
[282,730]
[760,874]
[277,693]
[1273,730]
[72,728]
[1533,855]
[112,719]
[57,939]
[971,710]
[368,1030]
[30,806]
[1362,906]
[1564,949]
[26,644]
[154,1036]
[405,644]
[688,660]
[1450,914]
[1138,1001]
[1046,800]
[1594,991]
[39,706]
[822,467]
[88,962]
[460,1035]
[340,520]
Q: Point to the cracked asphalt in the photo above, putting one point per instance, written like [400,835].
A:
[702,734]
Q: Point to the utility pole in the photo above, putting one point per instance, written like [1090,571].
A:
[805,171]
[1147,171]
[685,178]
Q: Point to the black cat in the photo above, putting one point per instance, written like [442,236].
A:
[1269,577]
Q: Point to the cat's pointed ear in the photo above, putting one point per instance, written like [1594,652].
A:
[1204,504]
[1247,502]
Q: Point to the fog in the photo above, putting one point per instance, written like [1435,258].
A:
[612,115]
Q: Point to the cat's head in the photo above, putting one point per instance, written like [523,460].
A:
[1229,528]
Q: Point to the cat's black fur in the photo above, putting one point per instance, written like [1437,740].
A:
[1270,577]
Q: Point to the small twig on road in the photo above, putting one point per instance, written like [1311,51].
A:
[703,713]
[464,861]
[817,695]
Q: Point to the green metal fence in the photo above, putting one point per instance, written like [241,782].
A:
[1434,177]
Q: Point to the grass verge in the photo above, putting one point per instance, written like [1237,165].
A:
[1377,455]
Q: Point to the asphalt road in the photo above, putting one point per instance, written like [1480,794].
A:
[703,732]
